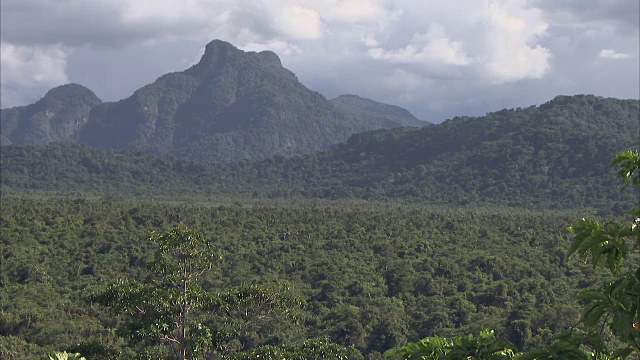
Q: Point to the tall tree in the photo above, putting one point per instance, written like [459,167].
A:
[166,307]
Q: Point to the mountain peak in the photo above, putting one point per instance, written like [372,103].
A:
[217,47]
[218,54]
[57,117]
[270,57]
[64,92]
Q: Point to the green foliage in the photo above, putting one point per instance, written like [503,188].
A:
[368,275]
[57,355]
[57,117]
[167,306]
[552,156]
[309,349]
[567,345]
[628,163]
[170,308]
[612,308]
[390,116]
[485,347]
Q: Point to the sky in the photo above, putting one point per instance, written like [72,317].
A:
[436,58]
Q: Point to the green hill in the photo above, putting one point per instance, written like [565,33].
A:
[552,156]
[557,152]
[57,117]
[389,115]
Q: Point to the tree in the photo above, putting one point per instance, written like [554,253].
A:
[485,347]
[614,305]
[166,307]
[613,308]
[309,349]
[63,355]
[170,309]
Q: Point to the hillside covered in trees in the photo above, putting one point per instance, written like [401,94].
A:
[551,156]
[391,237]
[57,117]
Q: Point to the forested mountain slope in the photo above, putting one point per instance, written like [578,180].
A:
[230,106]
[557,152]
[552,156]
[57,117]
[390,116]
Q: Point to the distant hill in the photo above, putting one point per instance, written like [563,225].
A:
[232,105]
[555,154]
[390,116]
[57,117]
[552,156]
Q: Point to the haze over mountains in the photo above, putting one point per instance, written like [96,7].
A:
[230,106]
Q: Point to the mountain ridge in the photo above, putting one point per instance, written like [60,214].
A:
[231,105]
[553,156]
[391,115]
[56,117]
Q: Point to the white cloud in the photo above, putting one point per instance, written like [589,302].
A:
[26,70]
[497,41]
[405,83]
[352,11]
[280,47]
[612,54]
[511,39]
[430,47]
[369,40]
[297,22]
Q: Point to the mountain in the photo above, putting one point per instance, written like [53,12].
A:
[230,106]
[552,156]
[57,117]
[390,116]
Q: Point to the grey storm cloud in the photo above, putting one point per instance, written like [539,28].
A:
[622,15]
[438,58]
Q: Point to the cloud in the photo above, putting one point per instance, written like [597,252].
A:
[280,47]
[297,22]
[27,69]
[353,11]
[620,16]
[427,55]
[499,42]
[430,47]
[511,38]
[612,54]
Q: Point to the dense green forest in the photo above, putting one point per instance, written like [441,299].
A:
[552,156]
[372,277]
[394,241]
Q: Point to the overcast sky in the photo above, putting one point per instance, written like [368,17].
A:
[437,58]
